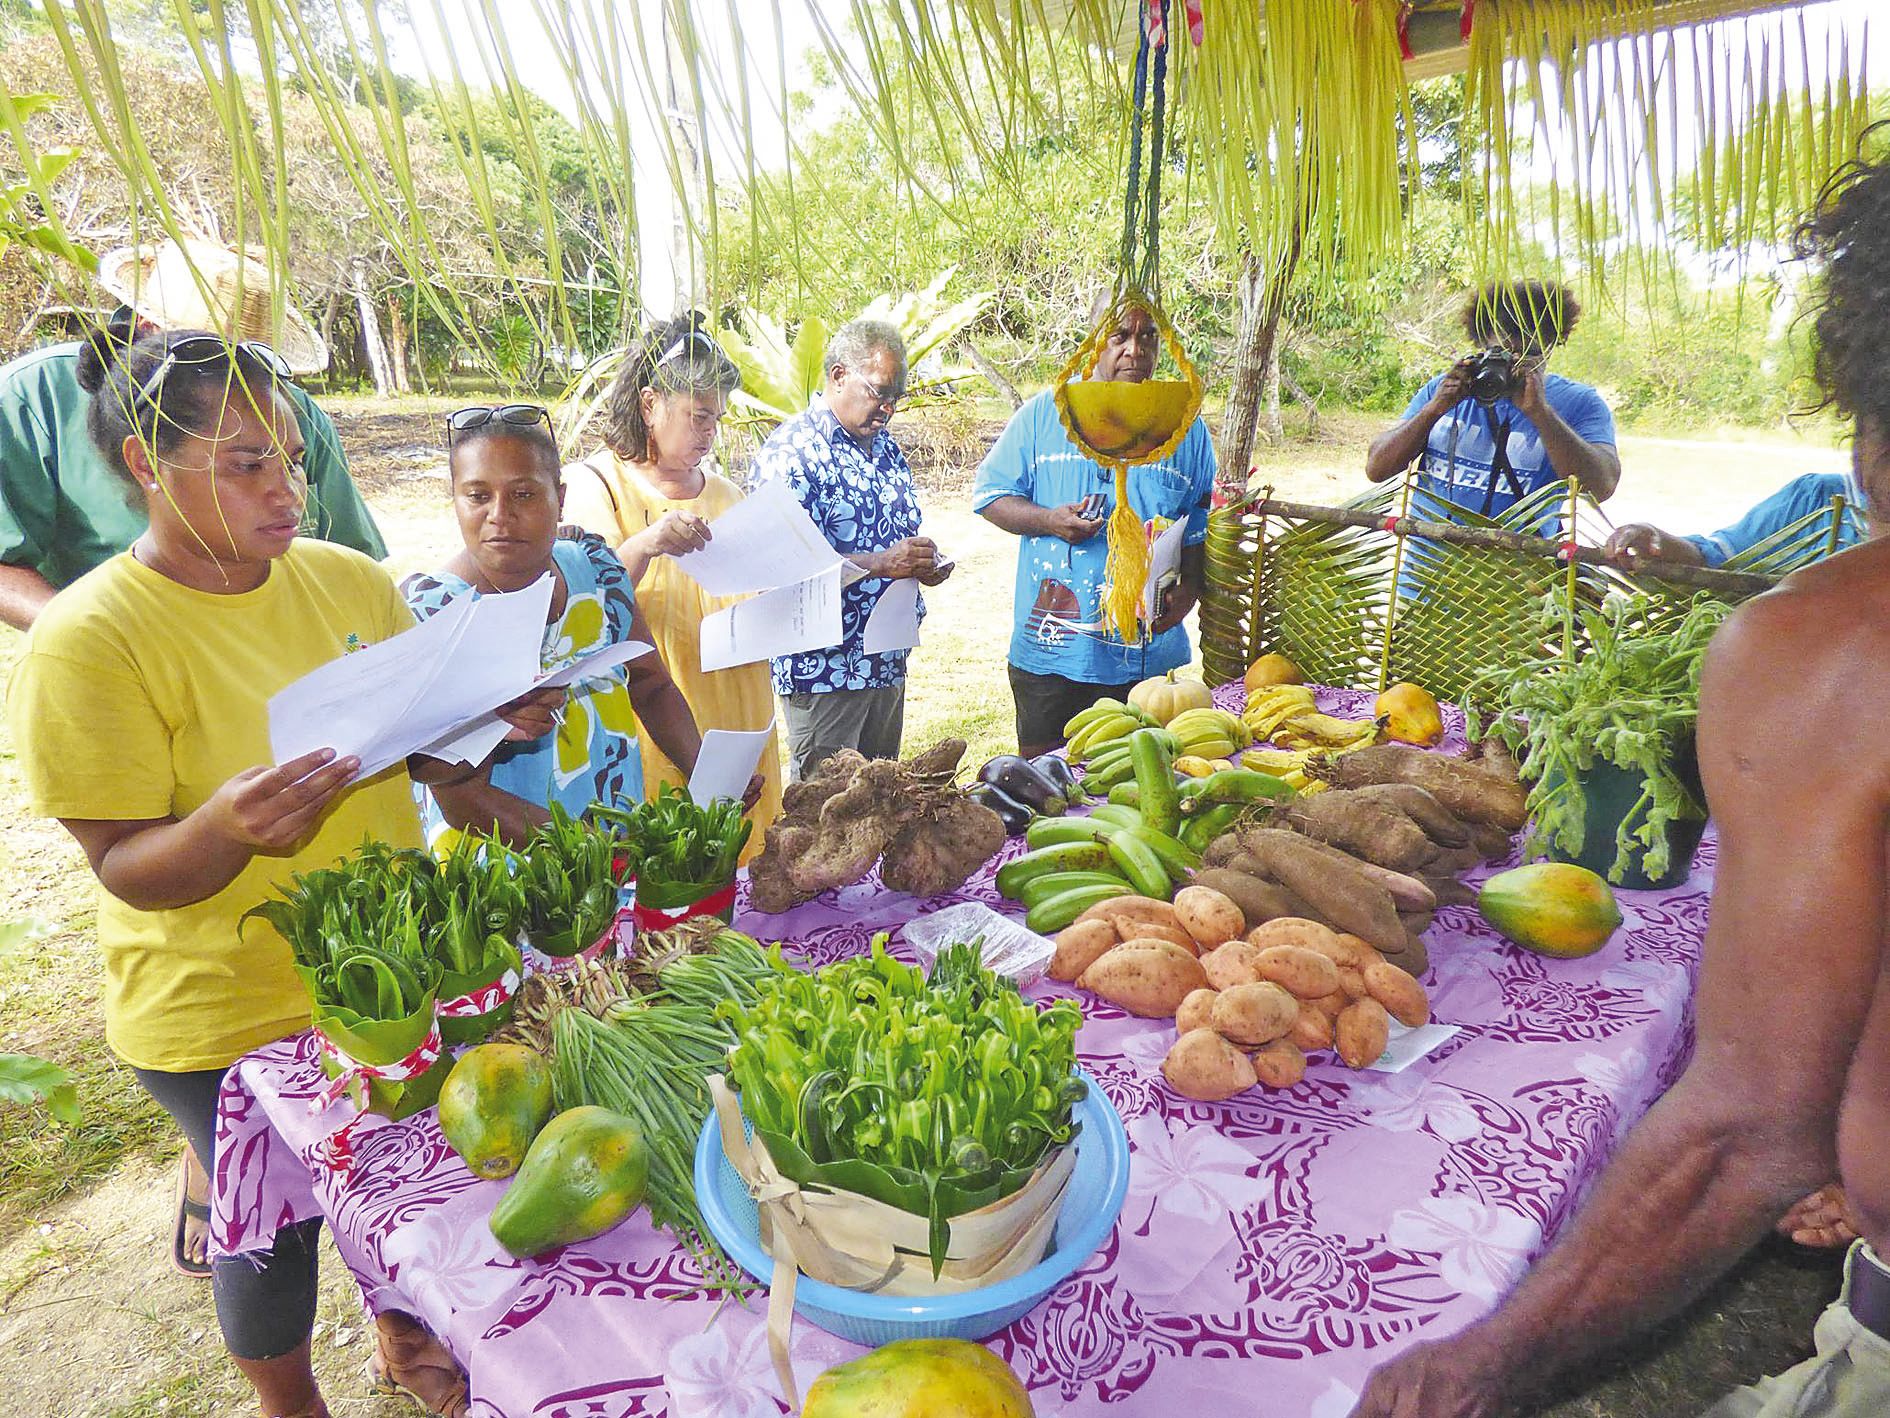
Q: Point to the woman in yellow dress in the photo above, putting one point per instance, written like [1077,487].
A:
[651,492]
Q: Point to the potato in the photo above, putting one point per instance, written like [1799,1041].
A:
[1208,916]
[1302,973]
[1146,977]
[1332,1005]
[1204,1066]
[1280,1064]
[1403,997]
[1289,930]
[1352,982]
[1231,964]
[1254,1014]
[1197,1010]
[1258,900]
[1079,946]
[1140,908]
[1312,1030]
[1131,929]
[1362,1032]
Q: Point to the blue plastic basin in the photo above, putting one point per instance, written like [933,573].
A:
[1091,1204]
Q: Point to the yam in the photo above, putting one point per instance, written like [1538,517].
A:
[1149,978]
[1197,1010]
[1312,1030]
[1204,1066]
[1080,946]
[1451,892]
[1414,960]
[1129,928]
[1209,916]
[1372,832]
[1362,1032]
[1436,821]
[1302,973]
[1140,908]
[1254,1014]
[1447,862]
[1280,1064]
[1258,900]
[1331,883]
[1492,841]
[1417,922]
[1403,997]
[1231,964]
[1465,790]
[941,845]
[1221,850]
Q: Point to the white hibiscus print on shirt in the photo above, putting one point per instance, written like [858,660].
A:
[1481,1249]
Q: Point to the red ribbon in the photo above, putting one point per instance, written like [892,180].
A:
[1391,525]
[1196,24]
[1467,20]
[1404,31]
[336,1151]
[1155,23]
[656,918]
[482,1001]
[543,964]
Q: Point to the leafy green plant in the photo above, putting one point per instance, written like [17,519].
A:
[26,1079]
[569,870]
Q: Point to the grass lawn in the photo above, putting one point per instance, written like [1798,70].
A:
[92,1322]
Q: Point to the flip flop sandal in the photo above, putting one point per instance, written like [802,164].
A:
[381,1381]
[187,1211]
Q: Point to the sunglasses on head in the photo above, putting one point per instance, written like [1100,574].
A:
[478,415]
[693,337]
[201,350]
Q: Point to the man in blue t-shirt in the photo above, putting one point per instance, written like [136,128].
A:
[1037,484]
[1798,499]
[1483,444]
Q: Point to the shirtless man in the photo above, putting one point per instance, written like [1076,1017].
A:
[1791,1077]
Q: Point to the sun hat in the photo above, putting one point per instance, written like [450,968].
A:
[204,285]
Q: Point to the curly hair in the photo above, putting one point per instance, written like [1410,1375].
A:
[676,356]
[1849,236]
[1537,314]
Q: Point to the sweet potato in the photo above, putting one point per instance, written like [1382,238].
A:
[1146,977]
[1403,997]
[1080,946]
[1280,1064]
[1204,1066]
[1258,900]
[1231,964]
[1302,973]
[1352,982]
[1362,1032]
[1207,915]
[1330,883]
[1291,930]
[1334,1004]
[1129,928]
[1197,1010]
[1346,950]
[1254,1014]
[1466,791]
[1140,908]
[1312,1030]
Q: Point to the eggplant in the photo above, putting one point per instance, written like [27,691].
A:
[1023,783]
[1014,815]
[1057,769]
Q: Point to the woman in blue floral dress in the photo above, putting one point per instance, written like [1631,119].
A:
[507,494]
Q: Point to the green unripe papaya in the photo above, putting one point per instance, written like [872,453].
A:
[920,1378]
[493,1104]
[583,1173]
[1552,908]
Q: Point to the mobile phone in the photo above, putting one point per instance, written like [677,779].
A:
[1091,508]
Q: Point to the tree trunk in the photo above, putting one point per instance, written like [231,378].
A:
[371,344]
[329,309]
[1262,302]
[994,376]
[397,345]
[1275,430]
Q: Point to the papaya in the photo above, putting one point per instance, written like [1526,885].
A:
[584,1172]
[920,1378]
[1552,908]
[1410,715]
[493,1104]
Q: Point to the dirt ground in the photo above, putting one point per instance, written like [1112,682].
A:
[94,1324]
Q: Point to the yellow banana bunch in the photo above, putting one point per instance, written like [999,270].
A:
[1280,762]
[1267,708]
[1315,730]
[1191,766]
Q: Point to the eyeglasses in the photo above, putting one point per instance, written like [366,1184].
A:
[694,337]
[887,398]
[205,350]
[478,415]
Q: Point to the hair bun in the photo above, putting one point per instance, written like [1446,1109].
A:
[99,354]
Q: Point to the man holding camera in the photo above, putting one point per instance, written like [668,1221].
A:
[1497,425]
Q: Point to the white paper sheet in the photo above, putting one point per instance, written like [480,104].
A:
[727,761]
[1407,1046]
[784,621]
[472,742]
[608,658]
[764,541]
[894,621]
[1164,564]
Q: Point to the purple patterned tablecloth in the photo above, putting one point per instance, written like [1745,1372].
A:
[1282,1244]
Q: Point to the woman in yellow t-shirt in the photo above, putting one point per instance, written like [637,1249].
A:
[140,711]
[651,493]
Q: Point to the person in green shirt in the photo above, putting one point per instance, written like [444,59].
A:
[62,511]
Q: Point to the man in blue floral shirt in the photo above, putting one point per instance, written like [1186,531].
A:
[857,486]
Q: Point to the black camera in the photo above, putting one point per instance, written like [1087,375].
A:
[1494,374]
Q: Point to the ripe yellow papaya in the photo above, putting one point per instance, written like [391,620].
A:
[585,1172]
[493,1104]
[1410,715]
[920,1378]
[1552,908]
